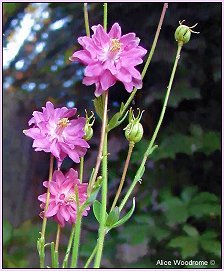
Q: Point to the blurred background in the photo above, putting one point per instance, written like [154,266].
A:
[178,213]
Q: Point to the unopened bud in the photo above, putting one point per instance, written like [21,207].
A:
[183,32]
[88,126]
[134,130]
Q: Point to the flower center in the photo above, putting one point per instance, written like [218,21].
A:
[115,45]
[62,123]
[71,198]
[62,197]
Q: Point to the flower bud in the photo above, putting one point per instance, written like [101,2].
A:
[88,132]
[183,33]
[88,127]
[134,130]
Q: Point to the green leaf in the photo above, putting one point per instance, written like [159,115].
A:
[209,235]
[196,130]
[113,121]
[113,217]
[97,210]
[122,107]
[212,246]
[94,193]
[181,91]
[188,245]
[204,209]
[204,204]
[135,234]
[191,231]
[98,104]
[175,210]
[7,232]
[211,142]
[205,197]
[126,217]
[188,193]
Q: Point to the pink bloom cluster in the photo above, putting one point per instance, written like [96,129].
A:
[53,132]
[62,204]
[110,57]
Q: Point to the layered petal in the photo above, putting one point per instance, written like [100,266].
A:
[62,201]
[110,57]
[53,132]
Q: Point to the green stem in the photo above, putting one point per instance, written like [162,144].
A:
[57,238]
[56,246]
[77,232]
[102,136]
[103,203]
[81,169]
[105,16]
[130,149]
[86,19]
[151,53]
[65,262]
[53,255]
[75,250]
[91,257]
[44,224]
[151,143]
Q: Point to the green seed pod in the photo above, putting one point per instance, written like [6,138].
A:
[183,33]
[88,132]
[88,127]
[134,130]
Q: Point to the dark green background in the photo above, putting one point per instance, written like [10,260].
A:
[178,203]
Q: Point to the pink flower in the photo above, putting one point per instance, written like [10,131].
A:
[62,203]
[53,132]
[110,57]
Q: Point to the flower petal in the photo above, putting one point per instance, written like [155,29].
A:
[83,56]
[64,212]
[107,80]
[93,70]
[115,31]
[52,209]
[100,37]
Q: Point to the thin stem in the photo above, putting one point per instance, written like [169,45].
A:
[105,16]
[65,262]
[75,251]
[48,196]
[131,97]
[52,254]
[103,206]
[99,156]
[57,238]
[81,169]
[131,146]
[86,19]
[151,143]
[74,227]
[44,224]
[91,257]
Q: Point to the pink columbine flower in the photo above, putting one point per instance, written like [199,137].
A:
[110,57]
[53,132]
[62,203]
